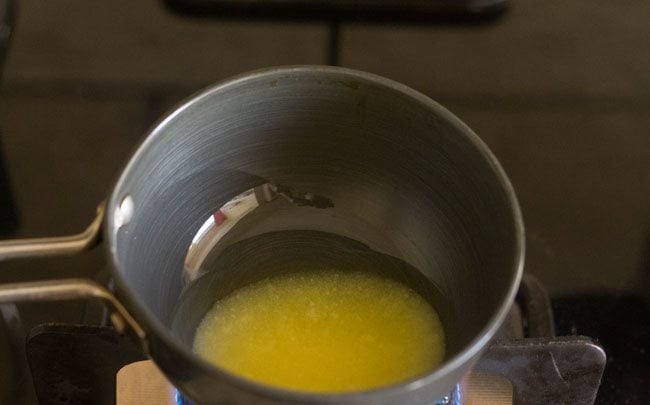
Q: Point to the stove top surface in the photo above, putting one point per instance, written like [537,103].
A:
[524,363]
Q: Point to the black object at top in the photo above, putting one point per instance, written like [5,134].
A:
[424,11]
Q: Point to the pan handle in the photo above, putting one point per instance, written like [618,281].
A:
[71,289]
[66,289]
[55,246]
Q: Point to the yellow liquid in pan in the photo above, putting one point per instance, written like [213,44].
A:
[323,331]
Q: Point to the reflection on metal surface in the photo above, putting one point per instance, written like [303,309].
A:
[226,217]
[124,212]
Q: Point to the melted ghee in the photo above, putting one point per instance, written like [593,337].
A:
[323,331]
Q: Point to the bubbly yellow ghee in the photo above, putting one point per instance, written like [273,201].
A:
[323,331]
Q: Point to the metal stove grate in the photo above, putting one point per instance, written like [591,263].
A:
[78,364]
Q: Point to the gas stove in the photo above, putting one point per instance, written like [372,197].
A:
[524,364]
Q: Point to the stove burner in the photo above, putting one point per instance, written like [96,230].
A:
[525,363]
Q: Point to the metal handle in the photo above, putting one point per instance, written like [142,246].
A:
[66,289]
[71,289]
[55,246]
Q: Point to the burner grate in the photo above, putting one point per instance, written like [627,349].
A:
[524,364]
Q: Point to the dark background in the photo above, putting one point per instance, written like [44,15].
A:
[559,90]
